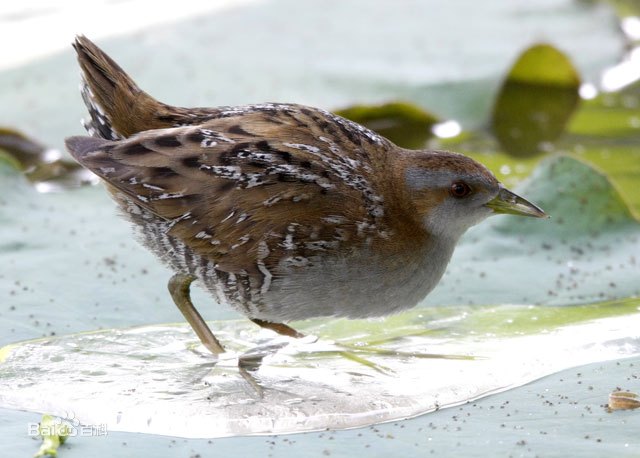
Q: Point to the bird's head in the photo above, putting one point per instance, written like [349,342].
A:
[452,192]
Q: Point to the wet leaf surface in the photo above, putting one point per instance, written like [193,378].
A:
[159,380]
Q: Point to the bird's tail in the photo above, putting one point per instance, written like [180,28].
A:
[118,108]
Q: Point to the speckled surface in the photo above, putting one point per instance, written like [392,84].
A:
[561,415]
[448,59]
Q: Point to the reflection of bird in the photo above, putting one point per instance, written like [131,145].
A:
[285,211]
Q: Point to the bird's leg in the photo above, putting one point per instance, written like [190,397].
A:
[280,328]
[179,289]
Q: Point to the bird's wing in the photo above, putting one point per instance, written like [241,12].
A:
[252,187]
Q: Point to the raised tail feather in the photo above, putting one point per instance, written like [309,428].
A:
[118,108]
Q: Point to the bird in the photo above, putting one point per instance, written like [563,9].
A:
[284,211]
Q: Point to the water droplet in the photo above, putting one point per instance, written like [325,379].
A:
[446,129]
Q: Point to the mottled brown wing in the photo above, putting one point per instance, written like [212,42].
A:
[248,194]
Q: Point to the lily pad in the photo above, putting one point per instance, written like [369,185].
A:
[605,131]
[159,380]
[41,165]
[535,102]
[403,123]
[544,65]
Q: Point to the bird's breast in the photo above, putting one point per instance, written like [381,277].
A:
[366,285]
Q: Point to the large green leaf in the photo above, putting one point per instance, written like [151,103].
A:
[544,65]
[535,102]
[370,376]
[403,123]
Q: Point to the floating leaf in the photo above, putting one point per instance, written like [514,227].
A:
[7,161]
[405,124]
[40,164]
[535,101]
[544,65]
[158,380]
[25,150]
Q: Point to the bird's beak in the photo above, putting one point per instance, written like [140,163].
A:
[510,203]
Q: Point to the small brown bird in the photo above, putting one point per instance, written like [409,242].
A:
[284,211]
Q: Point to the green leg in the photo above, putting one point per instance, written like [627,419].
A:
[179,289]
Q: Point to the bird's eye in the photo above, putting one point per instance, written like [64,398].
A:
[460,189]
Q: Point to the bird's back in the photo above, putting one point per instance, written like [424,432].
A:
[253,197]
